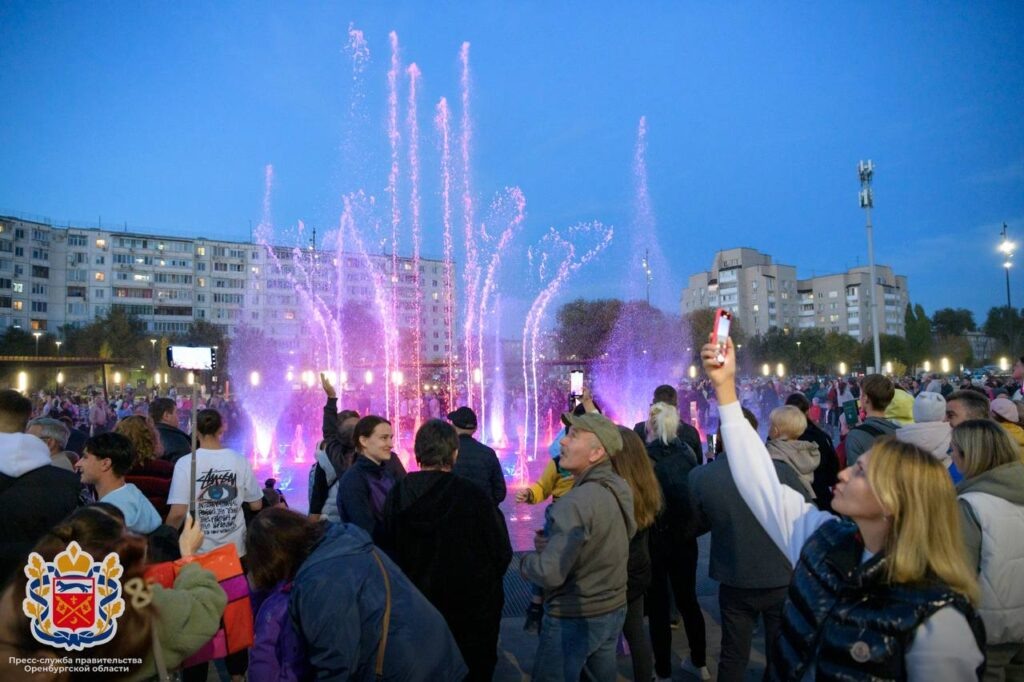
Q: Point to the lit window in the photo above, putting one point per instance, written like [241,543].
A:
[100,277]
[101,243]
[200,250]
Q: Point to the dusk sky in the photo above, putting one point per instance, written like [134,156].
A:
[163,116]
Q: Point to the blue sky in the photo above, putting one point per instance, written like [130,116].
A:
[163,116]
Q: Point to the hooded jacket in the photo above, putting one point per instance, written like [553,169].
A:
[1017,434]
[801,455]
[992,521]
[583,567]
[446,534]
[931,436]
[337,605]
[34,496]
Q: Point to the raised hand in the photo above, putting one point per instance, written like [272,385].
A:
[326,383]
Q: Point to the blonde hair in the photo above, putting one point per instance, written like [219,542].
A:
[663,422]
[788,421]
[984,445]
[144,437]
[633,464]
[924,541]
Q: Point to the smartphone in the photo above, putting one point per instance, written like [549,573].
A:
[576,383]
[196,358]
[723,320]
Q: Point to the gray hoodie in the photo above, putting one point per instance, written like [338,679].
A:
[583,567]
[1007,482]
[802,455]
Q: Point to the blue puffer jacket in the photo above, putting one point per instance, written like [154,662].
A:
[337,604]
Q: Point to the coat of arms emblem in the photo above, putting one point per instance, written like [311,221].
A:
[73,601]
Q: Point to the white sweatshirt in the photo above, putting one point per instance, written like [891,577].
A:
[943,649]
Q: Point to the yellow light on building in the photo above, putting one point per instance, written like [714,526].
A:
[945,364]
[927,365]
[117,377]
[842,368]
[22,381]
[156,378]
[60,378]
[766,369]
[780,370]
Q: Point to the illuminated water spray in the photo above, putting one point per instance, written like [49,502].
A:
[443,126]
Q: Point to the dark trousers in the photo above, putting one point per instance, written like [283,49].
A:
[477,638]
[740,608]
[676,563]
[639,646]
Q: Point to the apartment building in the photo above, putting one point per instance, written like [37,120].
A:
[51,277]
[765,295]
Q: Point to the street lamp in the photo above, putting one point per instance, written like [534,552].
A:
[37,335]
[945,365]
[1006,247]
[59,344]
[866,170]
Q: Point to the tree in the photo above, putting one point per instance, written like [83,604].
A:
[894,349]
[697,326]
[919,335]
[953,321]
[841,348]
[582,327]
[117,334]
[17,341]
[1005,326]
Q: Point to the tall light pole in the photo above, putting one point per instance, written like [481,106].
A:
[58,346]
[1006,247]
[37,335]
[866,169]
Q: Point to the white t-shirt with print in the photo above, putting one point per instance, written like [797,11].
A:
[224,480]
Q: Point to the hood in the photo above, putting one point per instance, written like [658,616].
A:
[423,498]
[22,453]
[603,474]
[802,455]
[1006,481]
[341,539]
[931,436]
[1015,431]
[657,450]
[901,409]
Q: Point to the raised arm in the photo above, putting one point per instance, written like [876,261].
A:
[784,514]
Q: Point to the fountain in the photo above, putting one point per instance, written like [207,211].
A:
[372,342]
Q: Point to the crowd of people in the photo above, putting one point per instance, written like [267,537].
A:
[874,528]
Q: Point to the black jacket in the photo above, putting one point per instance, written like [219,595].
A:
[638,571]
[451,541]
[32,504]
[686,433]
[827,473]
[176,442]
[479,463]
[672,465]
[363,489]
[847,618]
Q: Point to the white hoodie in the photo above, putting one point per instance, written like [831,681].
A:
[21,453]
[931,436]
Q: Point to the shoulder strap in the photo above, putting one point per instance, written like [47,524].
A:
[870,429]
[386,622]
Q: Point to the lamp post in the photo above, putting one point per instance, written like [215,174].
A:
[798,365]
[37,335]
[1006,247]
[866,170]
[59,344]
[152,345]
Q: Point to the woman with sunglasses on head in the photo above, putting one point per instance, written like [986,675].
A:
[886,594]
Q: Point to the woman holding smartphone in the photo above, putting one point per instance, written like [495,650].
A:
[887,594]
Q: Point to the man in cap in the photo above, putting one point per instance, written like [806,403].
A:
[581,564]
[476,462]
